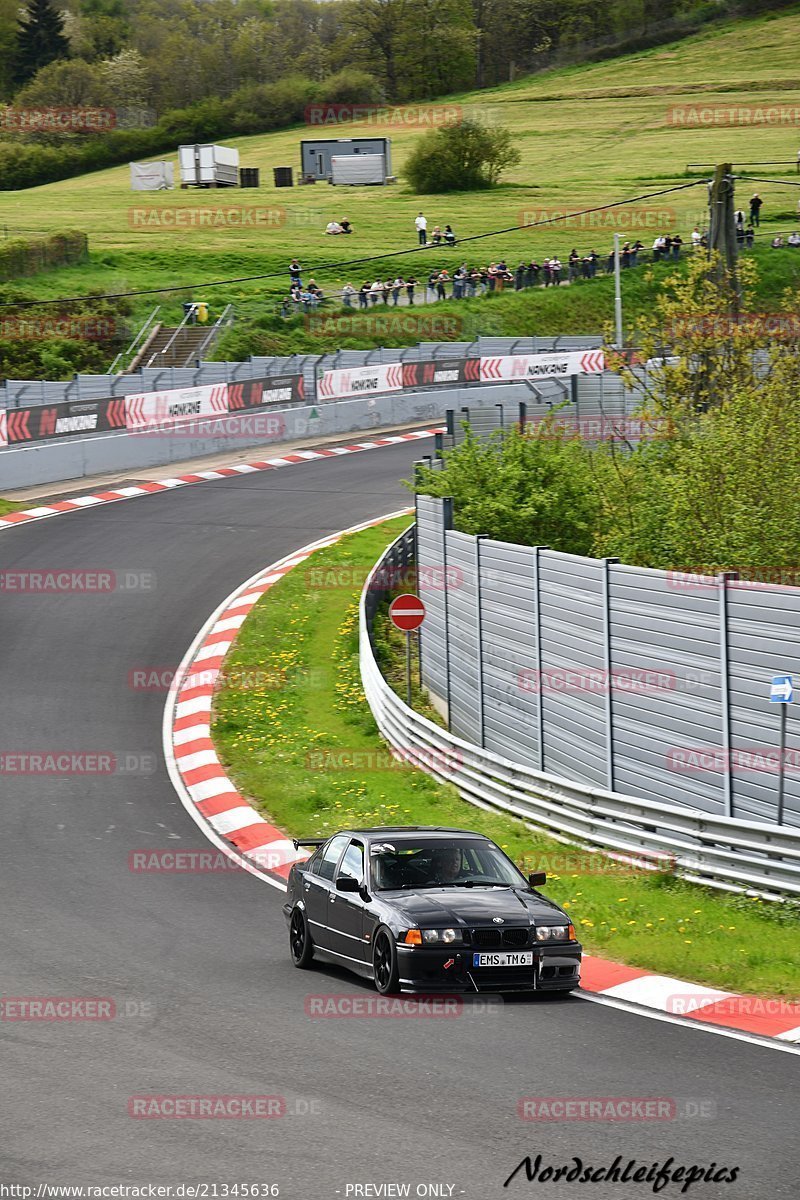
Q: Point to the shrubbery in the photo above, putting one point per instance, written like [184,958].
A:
[461,158]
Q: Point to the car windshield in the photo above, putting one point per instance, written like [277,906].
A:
[430,864]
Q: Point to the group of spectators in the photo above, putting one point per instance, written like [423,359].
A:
[467,281]
[438,235]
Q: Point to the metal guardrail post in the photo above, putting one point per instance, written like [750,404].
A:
[447,524]
[725,689]
[539,688]
[609,669]
[479,637]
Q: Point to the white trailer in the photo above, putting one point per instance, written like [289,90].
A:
[208,166]
[151,177]
[355,169]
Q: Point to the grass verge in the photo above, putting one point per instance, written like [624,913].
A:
[303,745]
[8,506]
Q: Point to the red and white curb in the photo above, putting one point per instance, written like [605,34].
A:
[206,791]
[176,481]
[233,825]
[759,1016]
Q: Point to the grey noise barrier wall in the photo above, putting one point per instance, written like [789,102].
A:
[106,453]
[651,683]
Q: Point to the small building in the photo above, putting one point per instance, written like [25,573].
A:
[316,156]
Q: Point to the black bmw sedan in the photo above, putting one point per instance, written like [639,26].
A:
[421,909]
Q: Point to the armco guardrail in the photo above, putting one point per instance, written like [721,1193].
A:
[717,851]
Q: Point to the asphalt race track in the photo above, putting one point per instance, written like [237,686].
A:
[197,964]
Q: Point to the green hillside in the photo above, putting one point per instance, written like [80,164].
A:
[588,136]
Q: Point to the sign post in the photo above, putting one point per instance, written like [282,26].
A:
[781,692]
[407,612]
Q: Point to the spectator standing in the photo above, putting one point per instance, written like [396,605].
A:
[348,291]
[546,272]
[697,238]
[411,283]
[755,209]
[574,264]
[625,255]
[396,286]
[677,242]
[749,236]
[363,294]
[421,226]
[594,258]
[532,274]
[635,248]
[555,271]
[375,292]
[295,272]
[519,278]
[442,280]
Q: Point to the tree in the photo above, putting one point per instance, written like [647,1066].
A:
[534,488]
[40,39]
[462,157]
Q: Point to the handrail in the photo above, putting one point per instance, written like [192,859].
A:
[720,852]
[183,324]
[123,354]
[222,319]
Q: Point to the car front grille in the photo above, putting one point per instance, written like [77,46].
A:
[492,939]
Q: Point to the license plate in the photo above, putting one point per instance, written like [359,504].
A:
[504,958]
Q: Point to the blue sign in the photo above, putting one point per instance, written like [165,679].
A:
[781,690]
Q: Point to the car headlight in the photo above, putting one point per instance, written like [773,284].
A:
[433,937]
[554,933]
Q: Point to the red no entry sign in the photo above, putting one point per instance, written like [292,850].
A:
[407,612]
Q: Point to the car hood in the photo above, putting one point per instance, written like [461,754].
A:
[474,906]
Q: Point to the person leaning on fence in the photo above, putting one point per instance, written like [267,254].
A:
[555,270]
[677,242]
[396,286]
[574,268]
[363,294]
[635,248]
[375,292]
[411,283]
[348,291]
[532,274]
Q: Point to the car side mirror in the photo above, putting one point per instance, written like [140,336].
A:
[537,879]
[346,883]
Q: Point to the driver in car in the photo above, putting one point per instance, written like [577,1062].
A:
[446,864]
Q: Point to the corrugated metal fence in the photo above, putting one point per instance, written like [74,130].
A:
[651,683]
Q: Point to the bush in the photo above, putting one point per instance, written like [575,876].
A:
[22,256]
[461,158]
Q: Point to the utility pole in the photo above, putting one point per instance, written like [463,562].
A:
[722,232]
[617,294]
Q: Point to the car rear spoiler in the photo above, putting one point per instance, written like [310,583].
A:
[298,842]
